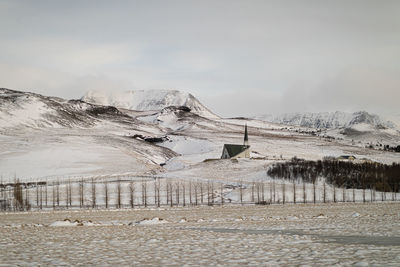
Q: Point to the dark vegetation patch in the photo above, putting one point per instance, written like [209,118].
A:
[372,175]
[100,110]
[150,139]
[178,108]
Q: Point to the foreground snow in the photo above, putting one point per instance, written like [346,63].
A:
[289,235]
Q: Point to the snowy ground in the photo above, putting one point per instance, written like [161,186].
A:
[289,235]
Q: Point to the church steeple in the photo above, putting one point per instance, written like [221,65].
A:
[246,137]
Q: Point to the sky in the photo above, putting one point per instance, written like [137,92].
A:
[239,58]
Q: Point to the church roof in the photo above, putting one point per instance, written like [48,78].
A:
[233,150]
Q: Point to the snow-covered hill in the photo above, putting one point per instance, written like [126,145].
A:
[24,109]
[44,136]
[145,100]
[330,120]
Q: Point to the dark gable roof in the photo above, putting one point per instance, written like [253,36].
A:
[233,150]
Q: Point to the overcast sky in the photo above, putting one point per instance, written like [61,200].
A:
[238,57]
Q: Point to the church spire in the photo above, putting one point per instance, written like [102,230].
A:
[246,138]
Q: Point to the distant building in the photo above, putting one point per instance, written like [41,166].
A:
[346,157]
[231,151]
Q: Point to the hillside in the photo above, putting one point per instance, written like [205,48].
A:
[24,109]
[44,136]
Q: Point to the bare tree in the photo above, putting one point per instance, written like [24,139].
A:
[262,192]
[81,194]
[283,193]
[167,190]
[370,194]
[208,193]
[41,196]
[212,193]
[118,193]
[132,193]
[144,193]
[201,193]
[374,194]
[158,193]
[37,195]
[155,192]
[27,205]
[18,196]
[184,193]
[258,192]
[70,192]
[170,194]
[294,191]
[363,186]
[190,192]
[58,193]
[383,192]
[270,192]
[304,193]
[93,193]
[222,194]
[106,192]
[363,194]
[45,194]
[343,193]
[53,195]
[195,194]
[274,189]
[241,192]
[66,195]
[314,191]
[334,193]
[177,193]
[252,192]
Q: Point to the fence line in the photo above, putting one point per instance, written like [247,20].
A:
[133,192]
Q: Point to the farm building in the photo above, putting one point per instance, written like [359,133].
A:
[232,151]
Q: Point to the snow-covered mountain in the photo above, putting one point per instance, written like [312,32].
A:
[331,120]
[26,109]
[145,100]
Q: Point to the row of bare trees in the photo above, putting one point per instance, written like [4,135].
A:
[365,175]
[109,194]
[167,192]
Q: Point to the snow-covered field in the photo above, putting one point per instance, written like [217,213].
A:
[289,235]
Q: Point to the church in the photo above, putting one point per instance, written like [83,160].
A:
[231,151]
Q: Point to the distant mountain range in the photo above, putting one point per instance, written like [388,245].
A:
[144,100]
[30,109]
[330,120]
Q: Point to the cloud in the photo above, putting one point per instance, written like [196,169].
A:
[71,56]
[239,58]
